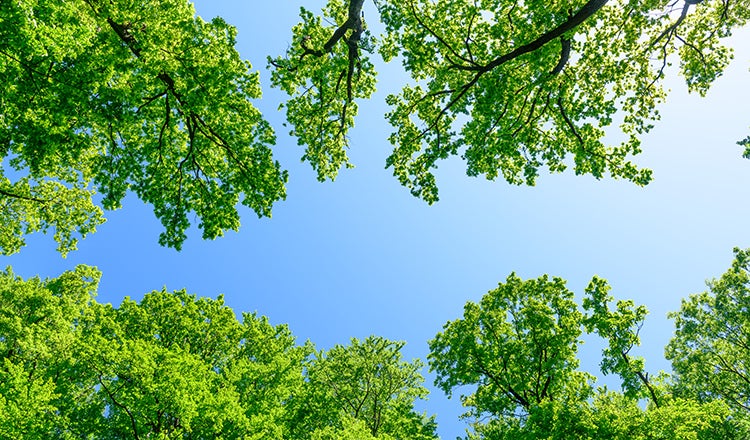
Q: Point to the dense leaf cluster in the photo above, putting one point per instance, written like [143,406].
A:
[513,88]
[517,350]
[112,97]
[177,366]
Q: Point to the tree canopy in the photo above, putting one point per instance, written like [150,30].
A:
[118,97]
[517,351]
[112,97]
[511,88]
[364,386]
[710,351]
[105,99]
[174,365]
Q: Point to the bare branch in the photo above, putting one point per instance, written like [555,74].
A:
[668,32]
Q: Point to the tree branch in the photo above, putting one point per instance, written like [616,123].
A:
[22,197]
[124,408]
[353,22]
[442,41]
[564,56]
[672,28]
[589,9]
[643,378]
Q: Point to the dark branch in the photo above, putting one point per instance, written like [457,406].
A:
[568,122]
[124,408]
[564,56]
[643,378]
[574,21]
[123,31]
[506,387]
[440,39]
[22,197]
[668,32]
[353,22]
[589,9]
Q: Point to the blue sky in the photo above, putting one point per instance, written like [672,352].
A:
[361,256]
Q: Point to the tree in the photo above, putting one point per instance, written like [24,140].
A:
[621,328]
[517,346]
[516,350]
[171,366]
[174,365]
[112,97]
[37,343]
[511,87]
[710,351]
[324,72]
[177,365]
[362,387]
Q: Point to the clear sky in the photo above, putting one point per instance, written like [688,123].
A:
[361,256]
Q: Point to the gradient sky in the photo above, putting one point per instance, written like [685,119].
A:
[361,256]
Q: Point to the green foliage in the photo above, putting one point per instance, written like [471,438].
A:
[112,97]
[171,366]
[324,71]
[28,206]
[363,386]
[621,328]
[518,346]
[37,344]
[517,351]
[689,419]
[745,143]
[174,365]
[125,96]
[614,416]
[353,429]
[710,351]
[177,366]
[518,88]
